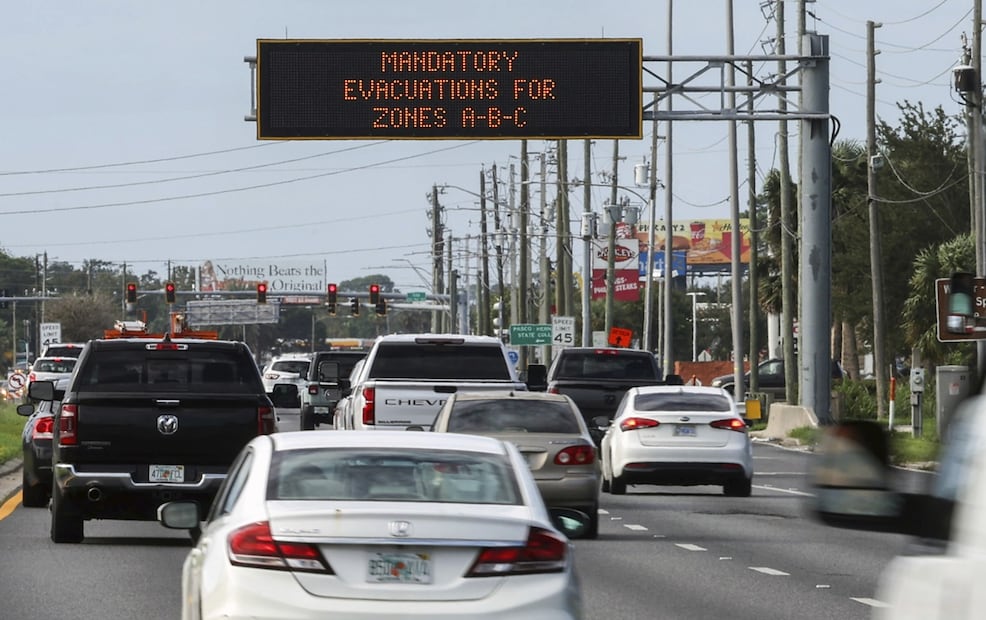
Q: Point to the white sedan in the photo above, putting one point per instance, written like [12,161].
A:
[381,524]
[677,435]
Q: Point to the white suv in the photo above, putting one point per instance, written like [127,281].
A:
[289,368]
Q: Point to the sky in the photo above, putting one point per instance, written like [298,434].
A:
[123,139]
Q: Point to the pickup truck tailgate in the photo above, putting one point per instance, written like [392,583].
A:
[188,429]
[406,403]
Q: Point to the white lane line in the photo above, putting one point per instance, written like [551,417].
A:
[780,473]
[872,602]
[635,528]
[603,511]
[688,547]
[768,571]
[767,487]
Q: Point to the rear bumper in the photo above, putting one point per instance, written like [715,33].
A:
[683,466]
[115,495]
[570,492]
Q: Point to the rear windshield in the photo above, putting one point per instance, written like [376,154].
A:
[439,362]
[392,475]
[606,365]
[511,415]
[189,370]
[299,367]
[54,365]
[682,402]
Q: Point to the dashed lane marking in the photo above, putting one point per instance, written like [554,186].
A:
[634,527]
[769,571]
[689,547]
[872,602]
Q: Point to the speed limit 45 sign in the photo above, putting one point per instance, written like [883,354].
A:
[563,331]
[51,333]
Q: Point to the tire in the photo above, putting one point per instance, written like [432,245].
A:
[66,524]
[33,496]
[307,418]
[605,484]
[738,488]
[592,530]
[618,486]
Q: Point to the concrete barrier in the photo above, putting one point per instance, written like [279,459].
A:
[784,418]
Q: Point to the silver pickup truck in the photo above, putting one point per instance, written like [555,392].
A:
[405,379]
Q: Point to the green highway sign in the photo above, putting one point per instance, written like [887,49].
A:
[530,334]
[417,296]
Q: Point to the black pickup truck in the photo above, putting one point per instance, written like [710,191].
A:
[597,378]
[144,421]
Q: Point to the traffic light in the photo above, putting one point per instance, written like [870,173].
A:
[169,292]
[262,293]
[354,306]
[131,292]
[374,294]
[381,307]
[331,298]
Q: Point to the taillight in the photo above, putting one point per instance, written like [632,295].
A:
[369,408]
[266,422]
[730,424]
[252,545]
[32,377]
[545,552]
[44,428]
[554,390]
[632,424]
[68,425]
[576,455]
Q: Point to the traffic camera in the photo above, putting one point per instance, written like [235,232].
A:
[131,292]
[169,292]
[374,294]
[262,293]
[354,306]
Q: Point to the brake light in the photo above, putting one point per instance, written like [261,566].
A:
[68,425]
[606,352]
[313,389]
[252,545]
[544,552]
[730,424]
[553,390]
[632,424]
[265,420]
[44,428]
[32,377]
[576,455]
[369,407]
[166,346]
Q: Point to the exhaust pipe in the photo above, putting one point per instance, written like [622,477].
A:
[94,494]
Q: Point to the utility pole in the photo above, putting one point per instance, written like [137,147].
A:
[611,240]
[976,140]
[448,320]
[737,235]
[587,230]
[668,336]
[544,310]
[788,307]
[652,217]
[498,237]
[876,259]
[563,264]
[485,325]
[751,185]
[436,254]
[525,240]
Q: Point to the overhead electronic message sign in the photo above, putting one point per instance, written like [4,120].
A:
[449,89]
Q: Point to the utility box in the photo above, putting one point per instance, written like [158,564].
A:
[952,384]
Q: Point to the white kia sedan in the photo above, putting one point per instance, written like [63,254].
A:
[383,525]
[677,435]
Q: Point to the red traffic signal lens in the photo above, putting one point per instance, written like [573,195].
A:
[333,288]
[261,288]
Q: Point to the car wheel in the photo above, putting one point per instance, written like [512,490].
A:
[33,496]
[605,484]
[66,525]
[738,488]
[307,418]
[592,529]
[618,486]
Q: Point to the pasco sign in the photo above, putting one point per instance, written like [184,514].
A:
[449,88]
[976,326]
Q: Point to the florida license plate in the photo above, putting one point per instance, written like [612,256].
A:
[684,430]
[166,473]
[399,568]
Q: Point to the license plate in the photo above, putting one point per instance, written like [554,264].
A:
[684,430]
[399,568]
[321,409]
[166,473]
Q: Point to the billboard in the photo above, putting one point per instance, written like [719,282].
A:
[626,264]
[705,242]
[282,277]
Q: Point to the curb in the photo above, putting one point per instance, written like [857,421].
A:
[10,483]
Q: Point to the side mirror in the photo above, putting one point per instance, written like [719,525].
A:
[537,377]
[26,409]
[41,390]
[181,515]
[601,421]
[572,523]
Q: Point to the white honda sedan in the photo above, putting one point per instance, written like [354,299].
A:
[379,525]
[677,435]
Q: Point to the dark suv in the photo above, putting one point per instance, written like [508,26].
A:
[144,421]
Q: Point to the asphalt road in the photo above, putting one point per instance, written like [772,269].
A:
[663,552]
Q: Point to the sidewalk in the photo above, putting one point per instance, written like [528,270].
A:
[10,479]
